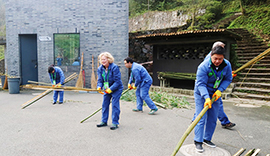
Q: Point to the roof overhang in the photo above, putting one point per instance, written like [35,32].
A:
[191,36]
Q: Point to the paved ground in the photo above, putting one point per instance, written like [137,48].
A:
[43,129]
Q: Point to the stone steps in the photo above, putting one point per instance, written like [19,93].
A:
[255,78]
[250,96]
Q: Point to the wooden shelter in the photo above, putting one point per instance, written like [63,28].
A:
[182,52]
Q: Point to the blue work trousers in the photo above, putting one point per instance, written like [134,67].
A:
[55,96]
[222,117]
[205,128]
[115,107]
[142,94]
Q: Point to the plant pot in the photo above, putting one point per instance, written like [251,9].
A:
[14,85]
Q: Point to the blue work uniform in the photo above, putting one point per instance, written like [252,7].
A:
[206,77]
[113,77]
[222,117]
[59,77]
[143,82]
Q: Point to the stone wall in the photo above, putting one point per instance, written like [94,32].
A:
[102,25]
[158,20]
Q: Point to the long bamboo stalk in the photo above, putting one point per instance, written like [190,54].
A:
[191,127]
[30,102]
[57,88]
[254,60]
[34,82]
[91,115]
[124,92]
[250,152]
[239,152]
[256,152]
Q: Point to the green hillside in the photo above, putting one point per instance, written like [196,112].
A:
[255,13]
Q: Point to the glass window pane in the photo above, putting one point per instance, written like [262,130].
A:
[67,49]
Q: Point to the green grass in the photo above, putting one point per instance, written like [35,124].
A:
[256,19]
[160,97]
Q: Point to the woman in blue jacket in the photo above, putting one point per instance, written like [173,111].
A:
[213,76]
[109,78]
[57,78]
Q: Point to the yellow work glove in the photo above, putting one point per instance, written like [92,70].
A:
[108,91]
[99,91]
[129,86]
[208,102]
[217,94]
[58,85]
[133,86]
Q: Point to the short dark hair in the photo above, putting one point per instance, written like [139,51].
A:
[50,68]
[218,50]
[128,59]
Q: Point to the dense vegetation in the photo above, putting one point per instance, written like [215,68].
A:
[256,13]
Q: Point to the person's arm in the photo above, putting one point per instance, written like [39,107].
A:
[62,77]
[117,78]
[227,78]
[202,79]
[100,78]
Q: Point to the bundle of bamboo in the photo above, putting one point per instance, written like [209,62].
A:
[174,75]
[48,91]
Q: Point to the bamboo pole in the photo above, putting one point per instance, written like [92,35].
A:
[160,105]
[256,152]
[30,102]
[249,152]
[57,88]
[34,82]
[239,152]
[191,127]
[91,115]
[254,60]
[124,92]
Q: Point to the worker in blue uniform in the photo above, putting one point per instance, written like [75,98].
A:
[57,78]
[223,118]
[109,79]
[213,76]
[141,81]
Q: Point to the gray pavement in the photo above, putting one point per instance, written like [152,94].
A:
[43,129]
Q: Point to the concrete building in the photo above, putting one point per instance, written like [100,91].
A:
[41,33]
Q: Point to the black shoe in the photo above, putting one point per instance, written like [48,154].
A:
[113,127]
[209,143]
[60,102]
[54,103]
[229,125]
[102,124]
[198,146]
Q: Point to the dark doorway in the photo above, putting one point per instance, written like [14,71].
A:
[28,52]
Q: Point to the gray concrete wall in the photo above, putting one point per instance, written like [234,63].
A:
[102,25]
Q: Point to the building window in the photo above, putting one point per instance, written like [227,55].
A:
[67,49]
